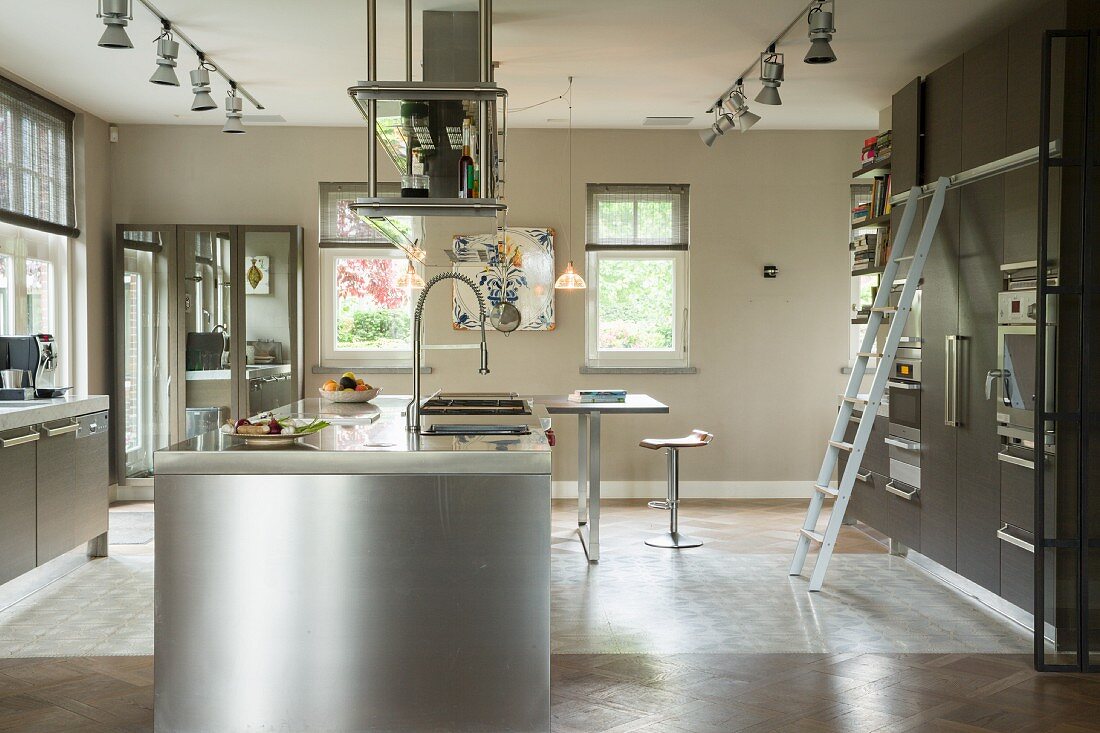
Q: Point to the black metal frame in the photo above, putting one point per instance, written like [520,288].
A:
[1085,162]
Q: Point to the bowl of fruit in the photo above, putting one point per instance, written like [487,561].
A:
[348,388]
[269,431]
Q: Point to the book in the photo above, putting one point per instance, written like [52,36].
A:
[590,392]
[600,399]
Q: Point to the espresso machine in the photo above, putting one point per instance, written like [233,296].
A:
[32,362]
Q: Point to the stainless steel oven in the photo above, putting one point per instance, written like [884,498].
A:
[904,430]
[1013,383]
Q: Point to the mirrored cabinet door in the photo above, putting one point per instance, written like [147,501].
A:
[206,314]
[271,305]
[144,286]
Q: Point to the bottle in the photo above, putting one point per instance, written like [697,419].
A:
[466,163]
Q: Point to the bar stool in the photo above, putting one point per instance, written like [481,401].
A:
[697,439]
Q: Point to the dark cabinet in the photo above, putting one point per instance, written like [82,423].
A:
[1018,496]
[1018,567]
[17,504]
[902,516]
[905,160]
[89,490]
[56,511]
[1024,66]
[942,100]
[985,102]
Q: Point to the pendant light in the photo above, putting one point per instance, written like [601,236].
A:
[570,279]
[410,278]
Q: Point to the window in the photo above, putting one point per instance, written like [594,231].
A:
[366,317]
[33,264]
[36,162]
[637,256]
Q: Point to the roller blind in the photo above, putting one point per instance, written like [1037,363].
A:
[36,162]
[338,225]
[637,216]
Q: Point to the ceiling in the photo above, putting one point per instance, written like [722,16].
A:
[630,58]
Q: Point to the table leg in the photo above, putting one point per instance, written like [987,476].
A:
[582,469]
[594,487]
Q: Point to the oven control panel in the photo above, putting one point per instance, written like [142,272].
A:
[1017,307]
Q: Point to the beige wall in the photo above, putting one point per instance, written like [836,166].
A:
[769,352]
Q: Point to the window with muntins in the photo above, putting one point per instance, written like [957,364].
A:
[637,268]
[36,162]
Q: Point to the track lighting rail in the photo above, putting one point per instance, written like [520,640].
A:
[755,64]
[168,25]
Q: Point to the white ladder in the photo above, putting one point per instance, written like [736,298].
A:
[870,404]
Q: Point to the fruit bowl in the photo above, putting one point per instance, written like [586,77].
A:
[350,395]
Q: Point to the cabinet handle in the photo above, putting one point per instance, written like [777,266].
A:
[951,381]
[1005,536]
[19,440]
[63,430]
[1006,457]
[907,495]
[902,385]
[864,477]
[906,444]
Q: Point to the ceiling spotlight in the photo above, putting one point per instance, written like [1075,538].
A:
[723,124]
[739,108]
[821,32]
[167,51]
[115,14]
[233,113]
[200,87]
[771,76]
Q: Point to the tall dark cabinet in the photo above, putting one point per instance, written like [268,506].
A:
[943,94]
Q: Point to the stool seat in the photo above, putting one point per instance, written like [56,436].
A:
[697,439]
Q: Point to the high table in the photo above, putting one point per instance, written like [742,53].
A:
[588,454]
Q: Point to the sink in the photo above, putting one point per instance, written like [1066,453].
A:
[446,405]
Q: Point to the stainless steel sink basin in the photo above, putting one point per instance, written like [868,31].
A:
[461,405]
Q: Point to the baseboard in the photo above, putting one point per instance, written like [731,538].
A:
[694,489]
[132,492]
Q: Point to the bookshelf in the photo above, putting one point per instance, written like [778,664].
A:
[869,241]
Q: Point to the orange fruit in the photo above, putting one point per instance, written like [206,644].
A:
[330,386]
[361,388]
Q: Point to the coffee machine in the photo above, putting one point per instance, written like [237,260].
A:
[37,357]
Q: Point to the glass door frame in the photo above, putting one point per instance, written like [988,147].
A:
[168,250]
[295,257]
[237,406]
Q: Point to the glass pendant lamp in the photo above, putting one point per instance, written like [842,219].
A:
[570,279]
[410,278]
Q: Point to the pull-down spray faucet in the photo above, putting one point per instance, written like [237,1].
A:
[412,412]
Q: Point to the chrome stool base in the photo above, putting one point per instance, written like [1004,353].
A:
[673,541]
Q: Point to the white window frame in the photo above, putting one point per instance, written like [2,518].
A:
[330,357]
[20,244]
[676,357]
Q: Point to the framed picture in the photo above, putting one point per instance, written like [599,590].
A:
[521,273]
[257,275]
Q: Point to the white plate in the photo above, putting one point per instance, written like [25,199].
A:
[271,441]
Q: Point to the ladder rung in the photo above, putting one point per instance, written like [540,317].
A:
[812,536]
[884,309]
[870,354]
[856,400]
[841,445]
[903,258]
[827,490]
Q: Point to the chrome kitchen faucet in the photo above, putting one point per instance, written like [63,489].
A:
[412,412]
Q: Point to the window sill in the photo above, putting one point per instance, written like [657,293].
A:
[637,370]
[368,368]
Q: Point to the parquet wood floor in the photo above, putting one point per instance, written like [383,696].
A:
[685,693]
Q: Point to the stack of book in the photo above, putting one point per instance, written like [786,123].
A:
[861,213]
[598,395]
[870,250]
[884,145]
[868,154]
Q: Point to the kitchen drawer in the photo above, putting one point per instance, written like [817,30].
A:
[72,484]
[877,457]
[17,505]
[900,516]
[1017,569]
[866,503]
[1018,496]
[90,493]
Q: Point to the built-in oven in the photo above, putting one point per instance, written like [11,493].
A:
[911,332]
[1014,383]
[903,436]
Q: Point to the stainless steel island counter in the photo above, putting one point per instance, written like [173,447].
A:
[365,579]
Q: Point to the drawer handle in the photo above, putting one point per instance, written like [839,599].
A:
[19,440]
[1006,457]
[1005,536]
[898,443]
[907,495]
[63,430]
[864,477]
[902,385]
